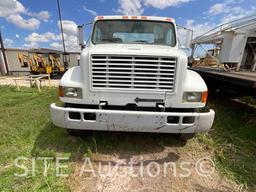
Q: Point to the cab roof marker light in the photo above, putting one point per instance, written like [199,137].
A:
[144,18]
[134,17]
[125,17]
[169,19]
[100,17]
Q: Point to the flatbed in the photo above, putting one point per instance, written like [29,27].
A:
[236,80]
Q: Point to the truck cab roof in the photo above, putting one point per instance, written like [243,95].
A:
[150,18]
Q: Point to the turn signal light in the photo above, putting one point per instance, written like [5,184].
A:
[61,91]
[204,96]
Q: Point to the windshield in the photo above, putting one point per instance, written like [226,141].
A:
[136,32]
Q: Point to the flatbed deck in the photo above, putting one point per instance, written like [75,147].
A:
[241,80]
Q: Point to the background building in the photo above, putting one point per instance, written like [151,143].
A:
[15,66]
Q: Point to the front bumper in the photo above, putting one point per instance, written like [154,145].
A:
[136,121]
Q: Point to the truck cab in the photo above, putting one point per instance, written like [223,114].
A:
[133,77]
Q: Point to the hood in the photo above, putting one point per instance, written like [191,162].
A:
[135,49]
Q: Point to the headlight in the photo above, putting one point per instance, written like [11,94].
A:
[71,92]
[195,97]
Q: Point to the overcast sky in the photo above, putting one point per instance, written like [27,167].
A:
[35,23]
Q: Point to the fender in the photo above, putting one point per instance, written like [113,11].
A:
[194,82]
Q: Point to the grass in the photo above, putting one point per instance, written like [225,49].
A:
[23,116]
[26,130]
[233,139]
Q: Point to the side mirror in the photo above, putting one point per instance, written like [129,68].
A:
[80,30]
[189,39]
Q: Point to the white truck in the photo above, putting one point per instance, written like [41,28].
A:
[133,77]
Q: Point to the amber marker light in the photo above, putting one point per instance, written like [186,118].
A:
[204,96]
[61,91]
[100,17]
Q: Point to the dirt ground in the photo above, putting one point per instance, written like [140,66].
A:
[10,81]
[113,172]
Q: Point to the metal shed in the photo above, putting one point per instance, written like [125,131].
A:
[14,66]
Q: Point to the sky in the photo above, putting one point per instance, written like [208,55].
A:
[35,23]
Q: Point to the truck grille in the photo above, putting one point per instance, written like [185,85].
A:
[133,72]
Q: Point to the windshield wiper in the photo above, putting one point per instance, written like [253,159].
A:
[142,41]
[115,40]
[107,40]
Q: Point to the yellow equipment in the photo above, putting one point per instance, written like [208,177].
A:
[41,65]
[26,61]
[55,63]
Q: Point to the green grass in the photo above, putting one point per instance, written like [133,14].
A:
[26,130]
[23,117]
[249,100]
[233,139]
